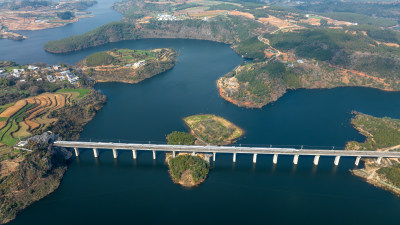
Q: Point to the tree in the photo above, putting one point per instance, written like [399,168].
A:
[180,138]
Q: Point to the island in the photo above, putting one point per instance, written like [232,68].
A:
[382,134]
[212,129]
[128,65]
[188,170]
[38,14]
[191,170]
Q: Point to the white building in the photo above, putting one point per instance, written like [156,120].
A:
[72,78]
[30,67]
[166,17]
[51,78]
[139,64]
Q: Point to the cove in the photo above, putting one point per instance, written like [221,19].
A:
[127,191]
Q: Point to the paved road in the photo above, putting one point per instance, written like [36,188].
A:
[225,149]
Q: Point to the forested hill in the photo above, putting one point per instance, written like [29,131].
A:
[229,29]
[351,49]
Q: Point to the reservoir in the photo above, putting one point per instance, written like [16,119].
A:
[127,191]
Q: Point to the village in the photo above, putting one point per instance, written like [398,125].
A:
[52,74]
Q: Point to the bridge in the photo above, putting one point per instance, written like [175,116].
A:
[77,145]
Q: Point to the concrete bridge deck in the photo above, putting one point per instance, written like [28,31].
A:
[227,149]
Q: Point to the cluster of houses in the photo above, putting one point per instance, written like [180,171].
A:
[166,17]
[63,75]
[56,73]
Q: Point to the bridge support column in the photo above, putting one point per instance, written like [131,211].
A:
[193,153]
[255,158]
[154,155]
[115,153]
[134,154]
[76,152]
[275,159]
[337,159]
[379,160]
[316,160]
[96,153]
[295,159]
[214,153]
[173,154]
[234,157]
[357,160]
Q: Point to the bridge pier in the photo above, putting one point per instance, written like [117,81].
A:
[96,153]
[379,160]
[357,160]
[234,157]
[134,154]
[193,153]
[173,154]
[254,157]
[76,152]
[214,153]
[154,155]
[295,159]
[316,160]
[275,159]
[115,153]
[337,159]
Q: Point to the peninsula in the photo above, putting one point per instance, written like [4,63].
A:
[127,65]
[382,134]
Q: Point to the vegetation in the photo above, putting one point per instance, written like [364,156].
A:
[67,15]
[82,91]
[227,29]
[212,129]
[180,138]
[99,59]
[391,173]
[27,185]
[185,165]
[361,19]
[251,48]
[390,10]
[343,49]
[380,132]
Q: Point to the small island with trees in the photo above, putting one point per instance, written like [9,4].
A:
[186,169]
[128,65]
[191,170]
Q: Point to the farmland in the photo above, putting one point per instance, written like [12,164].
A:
[31,115]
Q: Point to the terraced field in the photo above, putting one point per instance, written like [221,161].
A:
[26,116]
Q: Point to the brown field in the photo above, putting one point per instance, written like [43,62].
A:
[276,22]
[10,111]
[46,103]
[238,13]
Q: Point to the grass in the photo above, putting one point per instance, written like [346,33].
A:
[3,118]
[213,129]
[82,91]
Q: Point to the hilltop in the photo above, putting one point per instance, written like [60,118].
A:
[127,65]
